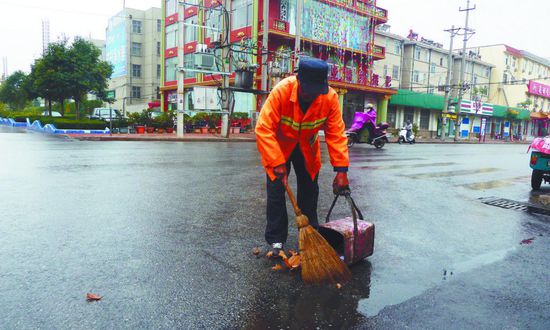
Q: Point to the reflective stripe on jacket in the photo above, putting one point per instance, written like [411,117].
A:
[281,125]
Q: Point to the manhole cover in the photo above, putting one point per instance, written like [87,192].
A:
[515,205]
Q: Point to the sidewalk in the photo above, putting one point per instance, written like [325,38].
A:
[245,137]
[172,137]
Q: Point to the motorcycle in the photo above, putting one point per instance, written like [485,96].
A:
[403,137]
[377,133]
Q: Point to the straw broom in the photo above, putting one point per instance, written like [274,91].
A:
[320,263]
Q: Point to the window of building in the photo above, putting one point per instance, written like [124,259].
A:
[136,92]
[189,62]
[385,70]
[408,115]
[136,70]
[136,26]
[417,52]
[474,79]
[241,15]
[397,47]
[191,31]
[425,119]
[513,62]
[158,71]
[159,25]
[171,36]
[171,7]
[432,68]
[416,76]
[431,89]
[158,48]
[214,23]
[171,65]
[505,78]
[392,116]
[395,72]
[136,49]
[441,61]
[487,72]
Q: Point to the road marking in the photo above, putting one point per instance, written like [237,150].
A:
[451,173]
[494,183]
[392,167]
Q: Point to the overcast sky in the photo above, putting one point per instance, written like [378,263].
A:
[521,24]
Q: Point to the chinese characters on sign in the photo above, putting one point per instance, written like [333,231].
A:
[538,89]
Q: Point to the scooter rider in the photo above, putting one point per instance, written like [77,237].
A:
[408,127]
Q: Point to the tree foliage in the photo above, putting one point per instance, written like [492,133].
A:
[89,73]
[13,91]
[49,77]
[65,72]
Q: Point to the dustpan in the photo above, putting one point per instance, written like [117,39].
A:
[351,237]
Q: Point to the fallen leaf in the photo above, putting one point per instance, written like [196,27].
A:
[277,267]
[527,241]
[256,251]
[92,297]
[338,286]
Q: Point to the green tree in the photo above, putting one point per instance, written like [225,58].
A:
[49,77]
[88,74]
[13,91]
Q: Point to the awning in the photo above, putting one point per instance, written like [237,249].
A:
[501,111]
[418,100]
[538,115]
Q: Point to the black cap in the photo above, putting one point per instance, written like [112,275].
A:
[313,75]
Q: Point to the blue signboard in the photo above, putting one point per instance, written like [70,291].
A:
[115,46]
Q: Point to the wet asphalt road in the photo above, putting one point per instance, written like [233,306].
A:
[164,232]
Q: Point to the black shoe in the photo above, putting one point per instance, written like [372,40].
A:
[276,248]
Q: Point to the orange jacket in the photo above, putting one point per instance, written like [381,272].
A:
[281,125]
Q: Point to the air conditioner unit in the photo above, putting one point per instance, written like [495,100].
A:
[204,61]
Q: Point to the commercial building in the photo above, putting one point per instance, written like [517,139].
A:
[418,69]
[340,32]
[133,47]
[520,80]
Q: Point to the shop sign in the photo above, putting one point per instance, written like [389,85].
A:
[539,89]
[476,107]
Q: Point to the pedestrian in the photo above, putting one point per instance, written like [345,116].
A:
[287,134]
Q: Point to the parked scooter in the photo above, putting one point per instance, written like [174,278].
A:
[403,136]
[367,120]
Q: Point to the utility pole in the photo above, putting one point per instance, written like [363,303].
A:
[453,32]
[265,46]
[181,73]
[297,41]
[461,86]
[226,67]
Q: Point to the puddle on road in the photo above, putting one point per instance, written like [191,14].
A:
[397,292]
[393,167]
[494,183]
[451,173]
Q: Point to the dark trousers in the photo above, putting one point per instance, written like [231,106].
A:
[276,230]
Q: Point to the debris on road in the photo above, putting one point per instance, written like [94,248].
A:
[92,297]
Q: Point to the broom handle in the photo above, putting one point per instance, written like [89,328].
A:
[293,201]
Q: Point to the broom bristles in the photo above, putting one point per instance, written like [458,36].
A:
[320,263]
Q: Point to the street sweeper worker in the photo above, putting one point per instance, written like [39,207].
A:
[287,134]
